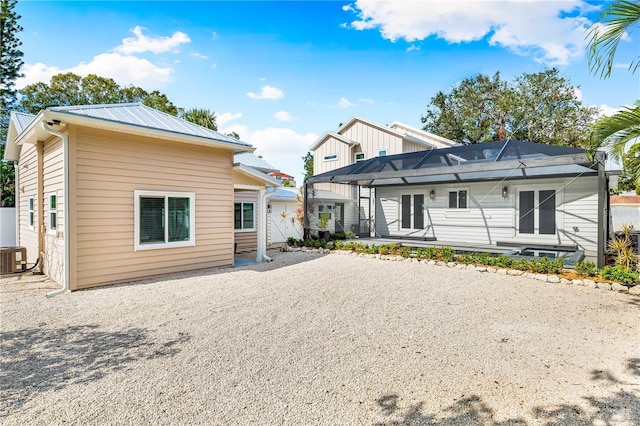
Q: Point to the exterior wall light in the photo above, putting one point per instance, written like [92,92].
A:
[432,194]
[505,191]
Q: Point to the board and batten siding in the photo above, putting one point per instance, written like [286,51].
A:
[371,140]
[28,187]
[332,146]
[109,168]
[491,218]
[247,241]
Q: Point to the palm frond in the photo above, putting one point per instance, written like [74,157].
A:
[616,130]
[605,34]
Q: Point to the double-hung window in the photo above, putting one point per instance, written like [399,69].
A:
[32,215]
[244,216]
[164,219]
[53,213]
[458,199]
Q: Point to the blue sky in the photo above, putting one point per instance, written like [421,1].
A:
[280,73]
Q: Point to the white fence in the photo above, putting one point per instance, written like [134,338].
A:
[8,227]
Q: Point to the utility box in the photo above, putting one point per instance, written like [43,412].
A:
[13,259]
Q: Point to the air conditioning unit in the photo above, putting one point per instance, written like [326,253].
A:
[13,259]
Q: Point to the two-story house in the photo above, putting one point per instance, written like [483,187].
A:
[354,141]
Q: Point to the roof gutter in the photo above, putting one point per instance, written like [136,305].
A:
[65,185]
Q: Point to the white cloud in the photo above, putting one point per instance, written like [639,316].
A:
[281,147]
[553,32]
[142,43]
[345,103]
[366,101]
[123,69]
[283,116]
[225,117]
[412,48]
[199,55]
[267,92]
[606,110]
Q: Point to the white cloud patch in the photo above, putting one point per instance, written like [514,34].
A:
[553,32]
[283,116]
[142,43]
[281,147]
[345,103]
[606,110]
[123,69]
[199,55]
[225,117]
[267,92]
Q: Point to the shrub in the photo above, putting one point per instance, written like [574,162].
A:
[446,254]
[294,242]
[404,252]
[620,274]
[586,268]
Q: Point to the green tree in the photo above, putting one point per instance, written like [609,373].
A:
[71,89]
[308,165]
[200,116]
[630,178]
[10,64]
[541,107]
[234,135]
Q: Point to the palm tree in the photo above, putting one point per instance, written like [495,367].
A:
[615,22]
[200,116]
[605,33]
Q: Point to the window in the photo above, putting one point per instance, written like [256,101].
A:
[330,157]
[545,213]
[458,199]
[322,208]
[32,216]
[164,220]
[53,213]
[359,156]
[244,216]
[382,153]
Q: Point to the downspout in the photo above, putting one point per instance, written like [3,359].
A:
[262,227]
[65,186]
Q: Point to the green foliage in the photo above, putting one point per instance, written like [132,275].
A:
[323,222]
[620,274]
[200,116]
[630,178]
[308,165]
[585,269]
[71,89]
[540,107]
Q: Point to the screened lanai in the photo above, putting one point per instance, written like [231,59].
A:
[468,163]
[490,194]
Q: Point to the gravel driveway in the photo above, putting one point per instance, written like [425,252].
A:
[311,339]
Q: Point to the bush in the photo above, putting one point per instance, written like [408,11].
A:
[294,242]
[585,269]
[620,274]
[446,254]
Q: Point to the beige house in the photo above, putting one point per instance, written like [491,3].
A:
[355,141]
[112,193]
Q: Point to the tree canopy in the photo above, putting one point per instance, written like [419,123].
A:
[200,116]
[540,107]
[10,64]
[70,89]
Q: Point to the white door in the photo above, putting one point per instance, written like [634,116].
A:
[281,225]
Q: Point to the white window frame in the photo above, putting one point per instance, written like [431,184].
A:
[325,207]
[458,209]
[52,225]
[355,157]
[137,194]
[32,213]
[242,203]
[330,157]
[382,152]
[537,236]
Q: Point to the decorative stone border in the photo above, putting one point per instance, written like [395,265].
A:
[635,290]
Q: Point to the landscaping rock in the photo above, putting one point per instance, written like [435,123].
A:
[492,270]
[635,290]
[541,277]
[471,267]
[440,263]
[451,264]
[431,262]
[529,275]
[553,279]
[577,282]
[481,269]
[502,271]
[461,266]
[589,283]
[565,281]
[603,286]
[619,288]
[514,272]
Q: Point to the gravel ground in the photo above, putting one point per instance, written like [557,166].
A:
[311,339]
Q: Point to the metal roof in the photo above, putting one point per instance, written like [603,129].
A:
[21,120]
[487,161]
[252,160]
[141,115]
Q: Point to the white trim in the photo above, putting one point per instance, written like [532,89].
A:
[457,209]
[241,230]
[355,157]
[137,246]
[31,213]
[536,236]
[386,152]
[248,187]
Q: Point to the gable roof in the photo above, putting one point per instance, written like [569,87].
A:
[499,160]
[252,160]
[133,118]
[396,129]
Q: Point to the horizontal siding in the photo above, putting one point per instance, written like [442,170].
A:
[109,168]
[491,218]
[53,262]
[28,187]
[246,241]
